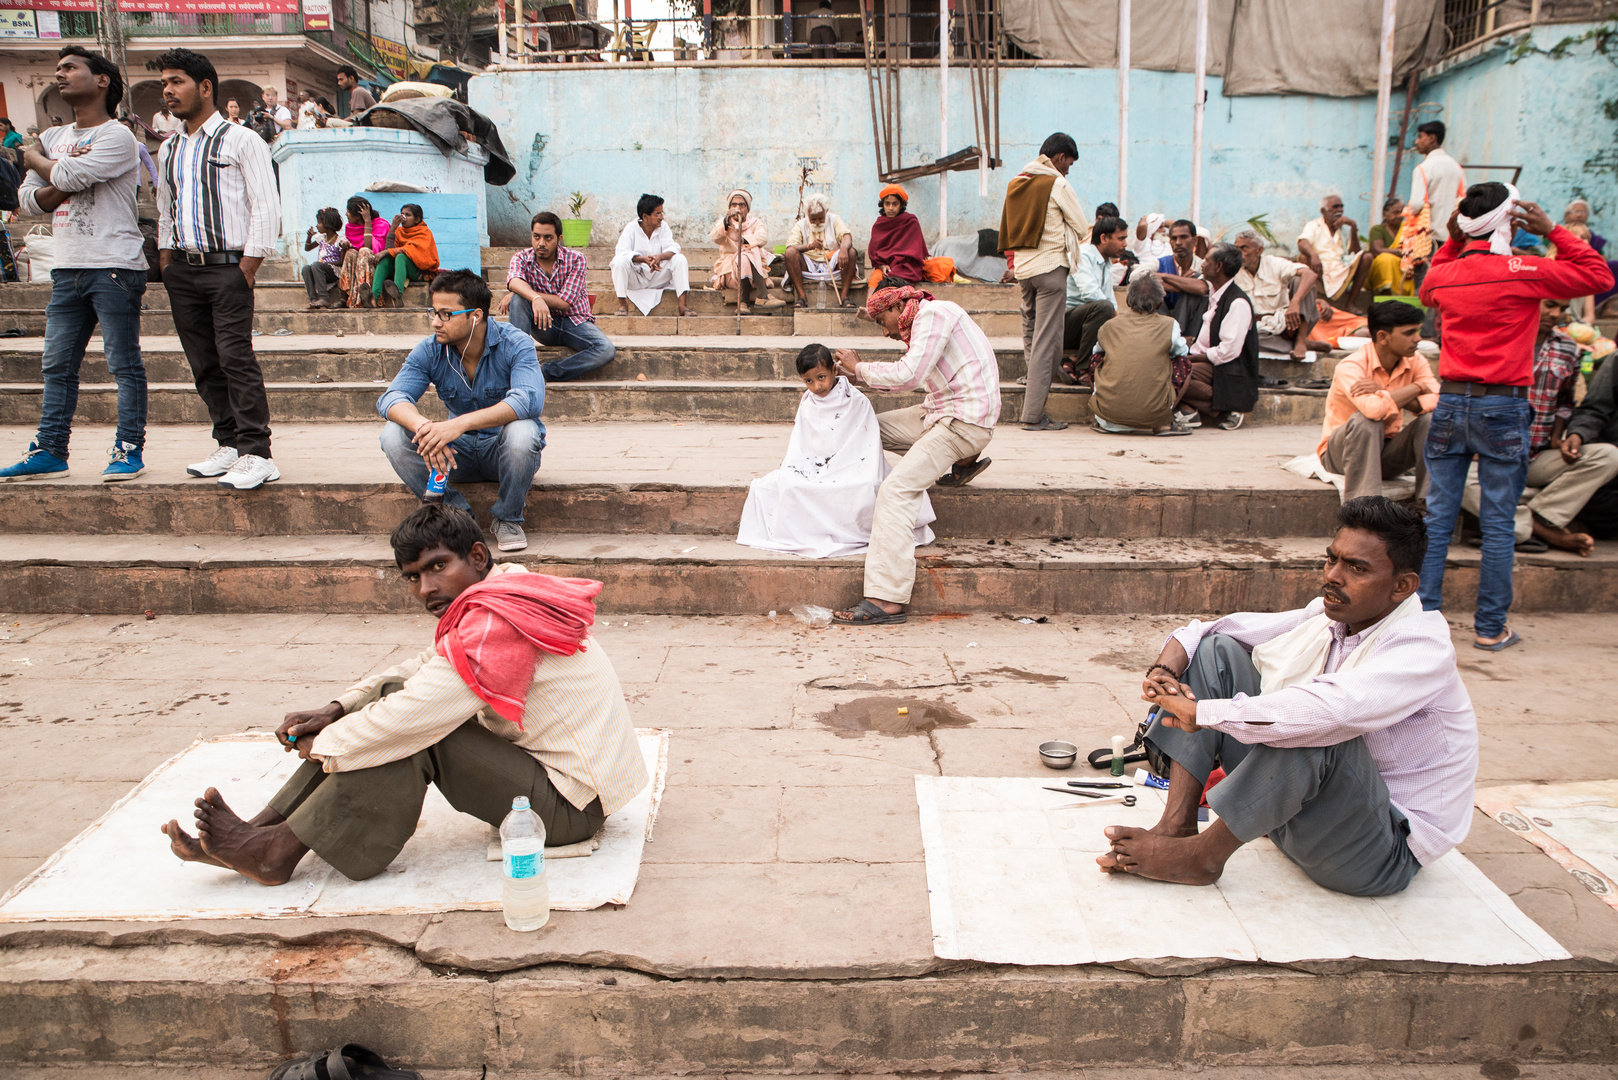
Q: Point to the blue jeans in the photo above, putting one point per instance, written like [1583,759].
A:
[79,300]
[508,456]
[590,346]
[1495,428]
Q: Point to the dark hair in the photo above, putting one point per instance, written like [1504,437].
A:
[1226,257]
[328,218]
[1108,209]
[415,209]
[545,217]
[1391,314]
[1187,223]
[1435,128]
[1392,200]
[1106,226]
[1481,198]
[99,65]
[1060,143]
[1403,531]
[198,67]
[357,204]
[887,281]
[904,203]
[435,525]
[647,205]
[472,289]
[815,356]
[325,106]
[348,69]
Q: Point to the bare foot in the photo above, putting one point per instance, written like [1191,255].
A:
[266,855]
[623,311]
[186,848]
[1576,542]
[1503,635]
[1182,860]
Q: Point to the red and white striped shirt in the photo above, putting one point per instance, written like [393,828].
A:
[951,357]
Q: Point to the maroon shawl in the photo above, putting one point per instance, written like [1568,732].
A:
[897,243]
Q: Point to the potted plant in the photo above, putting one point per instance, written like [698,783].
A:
[576,230]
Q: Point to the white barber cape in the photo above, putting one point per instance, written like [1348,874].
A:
[820,502]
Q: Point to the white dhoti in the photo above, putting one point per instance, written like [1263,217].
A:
[816,270]
[820,502]
[642,286]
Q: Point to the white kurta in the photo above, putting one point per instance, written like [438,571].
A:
[820,502]
[634,280]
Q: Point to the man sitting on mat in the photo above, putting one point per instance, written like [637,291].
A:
[514,698]
[1343,728]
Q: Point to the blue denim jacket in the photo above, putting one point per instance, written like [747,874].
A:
[508,371]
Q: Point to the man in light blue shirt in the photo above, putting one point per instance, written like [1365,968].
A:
[488,377]
[1090,300]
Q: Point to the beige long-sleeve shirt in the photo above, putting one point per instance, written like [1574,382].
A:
[575,721]
[1062,215]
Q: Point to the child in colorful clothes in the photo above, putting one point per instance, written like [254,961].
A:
[320,276]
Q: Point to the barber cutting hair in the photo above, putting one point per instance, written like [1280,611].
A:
[1489,302]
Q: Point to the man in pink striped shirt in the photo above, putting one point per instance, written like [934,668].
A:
[1343,728]
[948,355]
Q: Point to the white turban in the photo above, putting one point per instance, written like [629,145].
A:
[1496,224]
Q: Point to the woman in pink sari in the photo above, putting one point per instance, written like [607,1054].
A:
[743,253]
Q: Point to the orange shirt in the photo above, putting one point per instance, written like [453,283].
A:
[1342,405]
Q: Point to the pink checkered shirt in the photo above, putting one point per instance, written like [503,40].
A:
[952,358]
[566,282]
[1407,700]
[1556,370]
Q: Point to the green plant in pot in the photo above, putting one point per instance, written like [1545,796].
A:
[576,229]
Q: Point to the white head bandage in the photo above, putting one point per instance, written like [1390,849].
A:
[1496,224]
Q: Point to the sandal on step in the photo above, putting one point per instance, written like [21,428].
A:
[350,1062]
[959,477]
[868,614]
[1499,645]
[1045,424]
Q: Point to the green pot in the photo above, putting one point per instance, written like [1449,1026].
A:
[576,232]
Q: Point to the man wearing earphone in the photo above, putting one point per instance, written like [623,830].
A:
[488,377]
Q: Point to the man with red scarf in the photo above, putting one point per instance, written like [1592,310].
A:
[947,355]
[515,698]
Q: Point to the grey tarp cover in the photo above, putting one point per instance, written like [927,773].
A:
[442,120]
[1326,47]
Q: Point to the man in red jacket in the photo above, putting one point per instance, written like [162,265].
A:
[1489,300]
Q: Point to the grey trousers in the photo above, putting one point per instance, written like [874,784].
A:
[1308,312]
[1365,457]
[1325,807]
[1044,301]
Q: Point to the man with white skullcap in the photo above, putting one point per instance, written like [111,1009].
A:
[1489,301]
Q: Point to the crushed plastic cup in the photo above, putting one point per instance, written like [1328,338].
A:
[812,615]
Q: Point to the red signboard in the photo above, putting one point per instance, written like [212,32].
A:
[178,7]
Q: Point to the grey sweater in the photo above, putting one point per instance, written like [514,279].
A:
[96,227]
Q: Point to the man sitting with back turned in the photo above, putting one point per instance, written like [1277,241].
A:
[487,377]
[1343,728]
[514,698]
[546,297]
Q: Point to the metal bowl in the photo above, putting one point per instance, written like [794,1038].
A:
[1057,754]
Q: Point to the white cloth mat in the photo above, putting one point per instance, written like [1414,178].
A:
[121,867]
[1575,823]
[1012,879]
[1308,466]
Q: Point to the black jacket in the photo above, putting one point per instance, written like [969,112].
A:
[1235,382]
[1596,418]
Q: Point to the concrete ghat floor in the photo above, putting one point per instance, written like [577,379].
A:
[1492,1070]
[773,824]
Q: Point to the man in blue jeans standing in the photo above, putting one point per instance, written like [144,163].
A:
[1489,299]
[489,380]
[84,175]
[547,300]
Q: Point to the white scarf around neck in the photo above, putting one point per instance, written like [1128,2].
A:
[1300,654]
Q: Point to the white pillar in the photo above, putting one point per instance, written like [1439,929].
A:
[1384,92]
[502,49]
[1201,92]
[943,114]
[1123,108]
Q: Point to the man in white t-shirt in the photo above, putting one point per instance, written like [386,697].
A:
[278,112]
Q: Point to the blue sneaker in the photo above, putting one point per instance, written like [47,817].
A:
[37,464]
[125,464]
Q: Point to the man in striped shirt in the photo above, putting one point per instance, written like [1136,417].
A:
[370,755]
[218,213]
[948,354]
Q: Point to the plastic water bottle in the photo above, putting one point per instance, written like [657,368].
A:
[526,898]
[436,483]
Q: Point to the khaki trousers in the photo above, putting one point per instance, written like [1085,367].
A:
[358,821]
[890,565]
[1044,310]
[1562,489]
[1365,457]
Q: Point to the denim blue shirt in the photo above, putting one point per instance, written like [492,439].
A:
[507,371]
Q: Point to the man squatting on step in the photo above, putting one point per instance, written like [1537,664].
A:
[514,698]
[1343,728]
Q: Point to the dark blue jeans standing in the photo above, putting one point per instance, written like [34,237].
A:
[1495,428]
[590,346]
[80,299]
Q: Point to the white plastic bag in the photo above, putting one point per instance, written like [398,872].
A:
[813,615]
[39,248]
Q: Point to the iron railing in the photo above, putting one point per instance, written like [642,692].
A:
[1472,22]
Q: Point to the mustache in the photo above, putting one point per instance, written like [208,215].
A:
[1334,594]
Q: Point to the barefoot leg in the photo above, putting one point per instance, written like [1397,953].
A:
[268,854]
[186,848]
[1184,860]
[1576,542]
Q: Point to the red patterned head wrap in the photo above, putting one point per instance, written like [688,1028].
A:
[907,297]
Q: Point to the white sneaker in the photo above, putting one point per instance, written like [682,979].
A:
[508,535]
[218,464]
[249,472]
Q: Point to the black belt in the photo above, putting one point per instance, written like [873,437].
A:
[211,258]
[1477,389]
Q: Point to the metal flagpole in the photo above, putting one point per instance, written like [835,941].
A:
[1197,108]
[1384,92]
[1123,107]
[944,12]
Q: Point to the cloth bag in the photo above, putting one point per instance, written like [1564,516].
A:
[39,248]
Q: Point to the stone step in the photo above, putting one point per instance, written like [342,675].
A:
[691,575]
[718,400]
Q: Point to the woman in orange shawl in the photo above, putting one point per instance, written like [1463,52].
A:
[898,250]
[743,250]
[411,255]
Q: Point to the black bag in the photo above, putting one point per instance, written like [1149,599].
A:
[262,122]
[10,181]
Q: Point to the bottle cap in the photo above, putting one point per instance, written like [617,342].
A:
[520,802]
